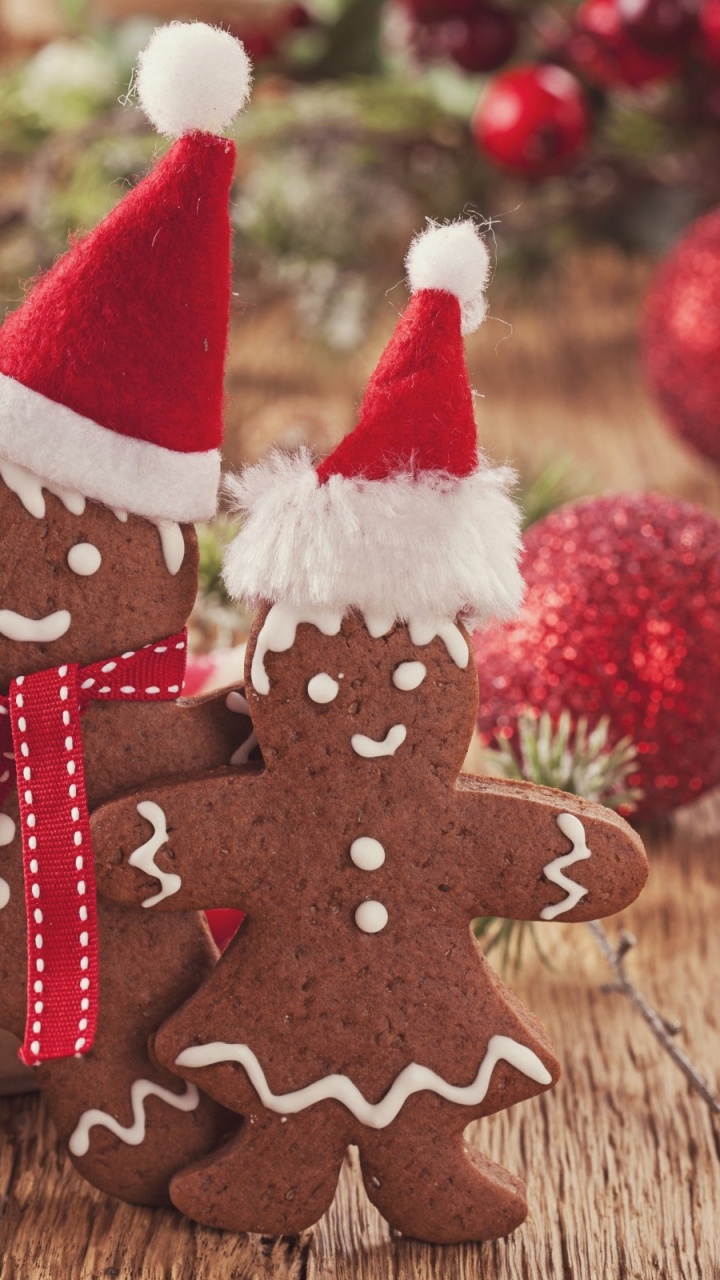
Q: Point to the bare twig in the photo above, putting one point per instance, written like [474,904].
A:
[662,1028]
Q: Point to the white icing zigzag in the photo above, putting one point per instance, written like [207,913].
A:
[144,857]
[413,1079]
[573,828]
[133,1134]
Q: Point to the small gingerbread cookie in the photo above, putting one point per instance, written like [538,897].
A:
[355,1006]
[111,389]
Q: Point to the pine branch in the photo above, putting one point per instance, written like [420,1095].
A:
[662,1028]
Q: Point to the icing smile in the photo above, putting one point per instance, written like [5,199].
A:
[15,626]
[371,749]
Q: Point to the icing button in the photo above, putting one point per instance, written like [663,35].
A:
[371,917]
[367,854]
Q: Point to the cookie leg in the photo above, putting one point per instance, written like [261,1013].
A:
[276,1177]
[429,1184]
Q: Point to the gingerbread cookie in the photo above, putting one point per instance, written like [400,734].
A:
[354,1006]
[110,420]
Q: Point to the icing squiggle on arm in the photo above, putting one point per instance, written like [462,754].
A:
[133,1134]
[573,828]
[144,857]
[412,1079]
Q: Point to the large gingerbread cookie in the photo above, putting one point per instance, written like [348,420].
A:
[354,1006]
[108,450]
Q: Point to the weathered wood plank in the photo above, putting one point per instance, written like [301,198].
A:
[622,1160]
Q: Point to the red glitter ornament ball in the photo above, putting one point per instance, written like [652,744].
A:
[621,619]
[681,336]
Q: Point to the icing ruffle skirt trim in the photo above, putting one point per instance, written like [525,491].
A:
[408,547]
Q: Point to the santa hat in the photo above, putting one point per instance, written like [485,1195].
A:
[111,371]
[405,520]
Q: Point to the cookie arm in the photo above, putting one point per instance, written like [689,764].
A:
[531,853]
[182,844]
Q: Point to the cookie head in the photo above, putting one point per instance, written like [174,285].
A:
[80,581]
[332,691]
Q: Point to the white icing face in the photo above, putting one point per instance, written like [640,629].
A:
[367,854]
[323,689]
[280,628]
[173,545]
[84,559]
[409,676]
[422,633]
[15,626]
[29,489]
[278,635]
[371,917]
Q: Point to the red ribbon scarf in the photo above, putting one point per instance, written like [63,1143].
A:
[40,737]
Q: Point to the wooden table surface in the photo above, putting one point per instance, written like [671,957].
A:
[622,1160]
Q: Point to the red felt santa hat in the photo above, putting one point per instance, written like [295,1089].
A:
[111,371]
[405,520]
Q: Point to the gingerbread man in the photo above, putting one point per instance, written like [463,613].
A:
[111,391]
[354,1006]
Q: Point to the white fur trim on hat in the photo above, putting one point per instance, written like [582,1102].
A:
[133,475]
[406,548]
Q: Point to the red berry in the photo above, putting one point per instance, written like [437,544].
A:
[662,26]
[482,44]
[259,45]
[533,120]
[435,11]
[709,42]
[297,18]
[602,48]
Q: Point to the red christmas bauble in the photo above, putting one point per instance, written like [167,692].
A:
[602,48]
[434,11]
[709,33]
[483,43]
[681,336]
[659,25]
[621,619]
[533,120]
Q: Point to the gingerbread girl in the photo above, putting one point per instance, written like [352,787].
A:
[111,393]
[354,1005]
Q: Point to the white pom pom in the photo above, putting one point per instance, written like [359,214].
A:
[453,258]
[192,76]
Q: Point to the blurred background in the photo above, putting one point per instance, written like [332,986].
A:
[587,138]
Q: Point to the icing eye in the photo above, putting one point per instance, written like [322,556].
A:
[409,675]
[323,689]
[84,559]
